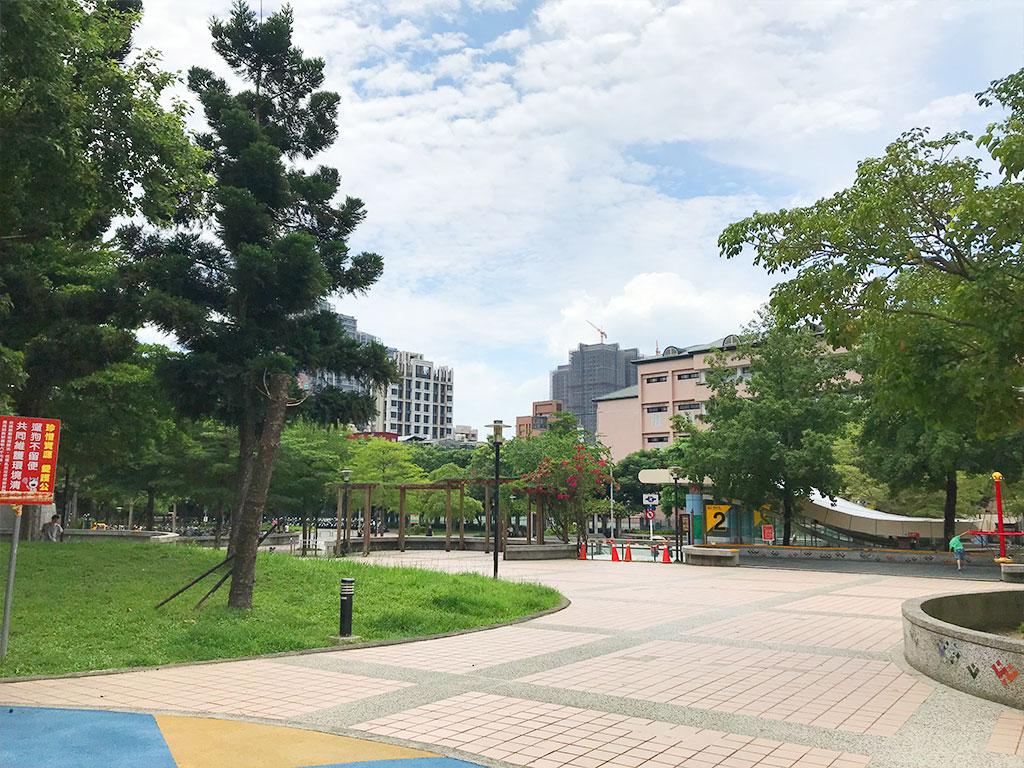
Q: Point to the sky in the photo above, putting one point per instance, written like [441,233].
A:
[528,167]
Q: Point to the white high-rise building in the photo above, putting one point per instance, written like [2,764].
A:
[420,404]
[321,379]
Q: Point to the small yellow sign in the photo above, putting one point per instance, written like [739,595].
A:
[716,520]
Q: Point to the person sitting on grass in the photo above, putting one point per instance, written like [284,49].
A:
[957,546]
[52,530]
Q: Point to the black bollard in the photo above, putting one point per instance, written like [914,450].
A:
[348,591]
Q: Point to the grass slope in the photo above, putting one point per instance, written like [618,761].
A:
[81,606]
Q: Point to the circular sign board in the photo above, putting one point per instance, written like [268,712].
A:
[649,514]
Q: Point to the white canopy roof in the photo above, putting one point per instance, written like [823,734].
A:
[849,516]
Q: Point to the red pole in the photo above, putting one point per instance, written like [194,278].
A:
[999,512]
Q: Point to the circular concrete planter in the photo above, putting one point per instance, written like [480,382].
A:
[950,638]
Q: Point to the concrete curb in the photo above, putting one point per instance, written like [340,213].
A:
[565,603]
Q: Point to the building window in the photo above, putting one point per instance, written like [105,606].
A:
[417,418]
[655,419]
[417,406]
[657,439]
[693,375]
[689,406]
[655,379]
[657,409]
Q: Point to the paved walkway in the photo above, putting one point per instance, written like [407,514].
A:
[652,664]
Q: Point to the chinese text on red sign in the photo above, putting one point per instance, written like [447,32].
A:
[28,459]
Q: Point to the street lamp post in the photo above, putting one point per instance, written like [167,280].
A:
[343,526]
[497,426]
[675,507]
[611,503]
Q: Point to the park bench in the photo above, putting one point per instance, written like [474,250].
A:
[1013,572]
[710,556]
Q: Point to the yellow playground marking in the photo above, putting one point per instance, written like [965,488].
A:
[197,742]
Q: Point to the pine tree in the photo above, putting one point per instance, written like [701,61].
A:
[250,309]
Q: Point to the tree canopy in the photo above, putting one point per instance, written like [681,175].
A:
[250,309]
[86,138]
[921,233]
[770,437]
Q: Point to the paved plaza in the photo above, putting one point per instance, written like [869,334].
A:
[652,664]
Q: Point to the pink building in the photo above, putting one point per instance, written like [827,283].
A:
[538,421]
[674,383]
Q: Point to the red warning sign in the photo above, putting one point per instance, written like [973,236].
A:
[28,459]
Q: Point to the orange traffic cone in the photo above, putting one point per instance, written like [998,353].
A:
[615,552]
[627,553]
[664,556]
[583,551]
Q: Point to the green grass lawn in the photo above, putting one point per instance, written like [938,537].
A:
[89,605]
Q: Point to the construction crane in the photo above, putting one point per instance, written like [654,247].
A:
[599,330]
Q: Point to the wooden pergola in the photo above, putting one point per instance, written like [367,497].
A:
[538,522]
[345,509]
[443,485]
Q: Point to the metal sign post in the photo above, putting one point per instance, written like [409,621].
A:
[651,500]
[9,592]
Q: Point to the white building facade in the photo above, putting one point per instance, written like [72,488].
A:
[421,403]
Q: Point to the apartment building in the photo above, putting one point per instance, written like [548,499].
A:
[421,403]
[537,422]
[322,379]
[466,434]
[593,370]
[639,417]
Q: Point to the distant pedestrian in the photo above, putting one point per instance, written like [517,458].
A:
[52,530]
[957,547]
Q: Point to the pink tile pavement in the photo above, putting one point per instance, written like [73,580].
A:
[544,735]
[257,688]
[465,653]
[1008,734]
[861,633]
[851,694]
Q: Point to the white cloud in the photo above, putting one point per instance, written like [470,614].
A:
[945,112]
[581,165]
[660,308]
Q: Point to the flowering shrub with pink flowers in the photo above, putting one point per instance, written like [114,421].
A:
[569,485]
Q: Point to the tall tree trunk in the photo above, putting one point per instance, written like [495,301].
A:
[787,519]
[246,458]
[250,516]
[949,512]
[219,526]
[65,517]
[32,519]
[150,508]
